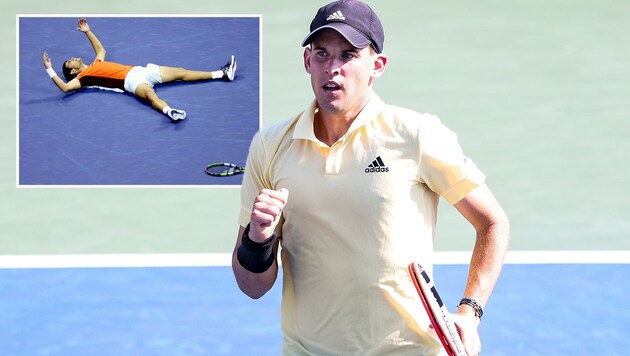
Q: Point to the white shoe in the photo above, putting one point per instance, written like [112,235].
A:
[229,70]
[177,115]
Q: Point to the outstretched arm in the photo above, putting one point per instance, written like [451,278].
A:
[94,41]
[74,84]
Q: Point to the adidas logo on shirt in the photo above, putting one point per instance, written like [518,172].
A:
[337,15]
[377,166]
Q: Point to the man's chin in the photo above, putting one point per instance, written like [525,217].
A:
[329,104]
[330,107]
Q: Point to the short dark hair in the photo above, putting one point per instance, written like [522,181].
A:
[66,72]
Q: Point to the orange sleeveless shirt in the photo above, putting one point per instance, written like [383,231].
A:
[104,74]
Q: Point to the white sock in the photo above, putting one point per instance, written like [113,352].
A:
[166,110]
[217,74]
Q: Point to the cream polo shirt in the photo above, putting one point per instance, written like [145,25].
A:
[358,213]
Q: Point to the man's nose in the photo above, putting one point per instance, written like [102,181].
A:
[333,66]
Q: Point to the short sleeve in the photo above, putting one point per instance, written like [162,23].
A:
[443,166]
[254,179]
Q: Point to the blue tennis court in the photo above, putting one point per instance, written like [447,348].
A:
[553,309]
[96,137]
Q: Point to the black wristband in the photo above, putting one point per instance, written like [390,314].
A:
[255,257]
[473,304]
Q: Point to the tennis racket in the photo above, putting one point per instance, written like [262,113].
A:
[223,169]
[436,310]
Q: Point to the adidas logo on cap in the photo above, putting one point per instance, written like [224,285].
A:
[377,166]
[337,15]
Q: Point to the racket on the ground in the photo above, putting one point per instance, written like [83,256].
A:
[223,169]
[437,311]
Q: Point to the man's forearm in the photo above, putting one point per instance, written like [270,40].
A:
[254,285]
[492,228]
[487,261]
[95,42]
[63,86]
[59,83]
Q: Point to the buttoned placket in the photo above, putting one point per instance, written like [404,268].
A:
[334,158]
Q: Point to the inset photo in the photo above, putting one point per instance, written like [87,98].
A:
[136,100]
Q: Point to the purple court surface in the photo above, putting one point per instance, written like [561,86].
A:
[96,137]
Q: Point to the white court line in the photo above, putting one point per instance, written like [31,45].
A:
[116,260]
[224,259]
[543,257]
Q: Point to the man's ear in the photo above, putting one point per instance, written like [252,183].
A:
[307,60]
[380,62]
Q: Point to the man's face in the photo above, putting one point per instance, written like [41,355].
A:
[74,64]
[341,75]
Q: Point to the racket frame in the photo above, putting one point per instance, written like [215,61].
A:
[436,310]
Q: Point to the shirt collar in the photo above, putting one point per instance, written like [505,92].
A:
[304,127]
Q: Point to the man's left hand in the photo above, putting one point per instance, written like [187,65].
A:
[467,325]
[83,25]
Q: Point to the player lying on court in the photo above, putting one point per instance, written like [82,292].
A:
[134,79]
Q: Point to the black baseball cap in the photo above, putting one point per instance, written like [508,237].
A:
[353,19]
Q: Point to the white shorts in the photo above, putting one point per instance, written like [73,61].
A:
[142,75]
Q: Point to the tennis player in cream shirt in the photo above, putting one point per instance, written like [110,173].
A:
[349,189]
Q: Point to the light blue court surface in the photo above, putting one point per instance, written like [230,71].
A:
[535,310]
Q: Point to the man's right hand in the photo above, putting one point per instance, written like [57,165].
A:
[47,61]
[266,213]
